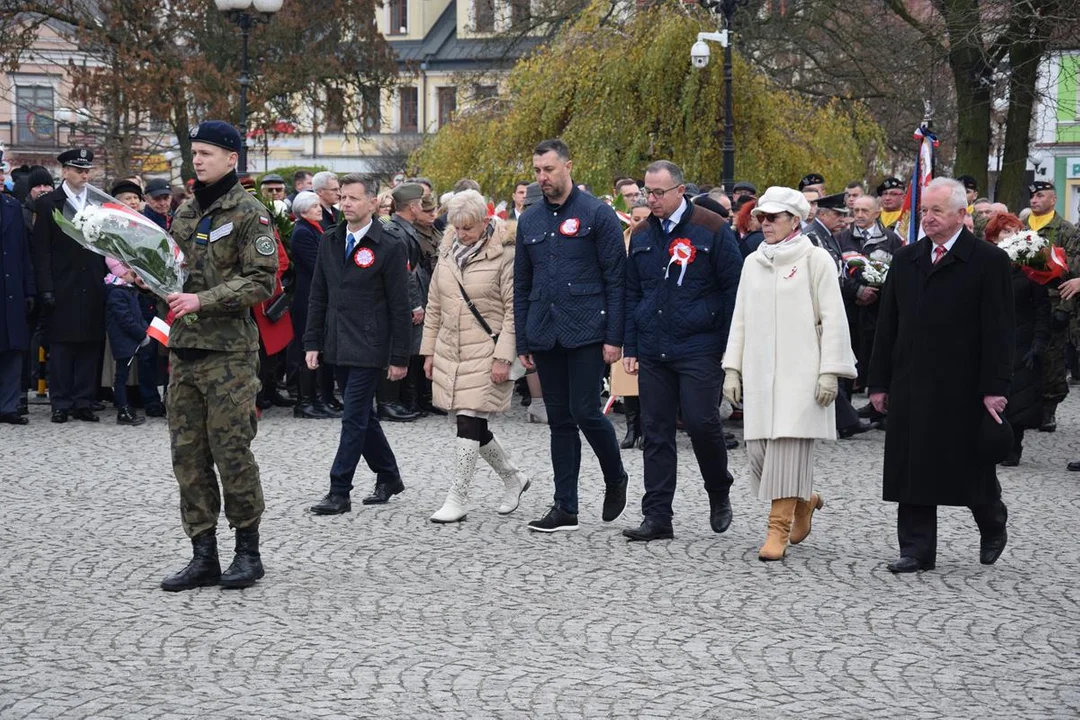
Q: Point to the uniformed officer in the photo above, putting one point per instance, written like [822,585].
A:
[231,256]
[70,280]
[1058,231]
[568,318]
[891,195]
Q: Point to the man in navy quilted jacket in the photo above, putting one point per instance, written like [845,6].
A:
[568,316]
[681,279]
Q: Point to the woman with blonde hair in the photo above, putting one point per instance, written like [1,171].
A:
[468,345]
[789,343]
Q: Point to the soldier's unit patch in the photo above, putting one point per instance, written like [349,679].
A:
[263,221]
[265,245]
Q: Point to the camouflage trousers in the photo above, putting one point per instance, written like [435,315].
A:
[1054,385]
[211,409]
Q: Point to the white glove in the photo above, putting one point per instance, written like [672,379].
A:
[826,390]
[733,386]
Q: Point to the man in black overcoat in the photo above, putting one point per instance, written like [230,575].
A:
[71,282]
[942,360]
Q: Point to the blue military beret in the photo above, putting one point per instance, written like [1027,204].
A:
[217,132]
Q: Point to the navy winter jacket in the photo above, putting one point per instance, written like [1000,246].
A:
[568,275]
[124,320]
[666,320]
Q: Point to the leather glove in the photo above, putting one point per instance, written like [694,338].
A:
[31,305]
[826,389]
[1032,358]
[733,387]
[1059,320]
[48,302]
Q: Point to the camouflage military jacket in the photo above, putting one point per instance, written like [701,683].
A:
[231,268]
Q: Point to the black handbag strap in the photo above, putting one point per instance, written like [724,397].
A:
[476,313]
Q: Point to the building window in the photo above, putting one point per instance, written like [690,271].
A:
[334,111]
[399,17]
[483,92]
[447,104]
[35,124]
[484,18]
[372,113]
[520,12]
[408,109]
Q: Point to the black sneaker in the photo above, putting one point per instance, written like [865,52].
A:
[126,416]
[614,499]
[556,519]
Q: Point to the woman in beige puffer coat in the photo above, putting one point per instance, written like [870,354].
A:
[469,366]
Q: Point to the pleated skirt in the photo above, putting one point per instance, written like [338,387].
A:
[781,468]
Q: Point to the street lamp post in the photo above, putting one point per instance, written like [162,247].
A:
[726,10]
[239,12]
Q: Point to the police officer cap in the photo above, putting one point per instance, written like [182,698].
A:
[890,183]
[744,186]
[533,195]
[968,182]
[126,186]
[38,176]
[273,178]
[158,187]
[1040,185]
[811,179]
[217,132]
[406,192]
[77,157]
[834,202]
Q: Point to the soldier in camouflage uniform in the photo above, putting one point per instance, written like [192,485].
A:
[1065,323]
[231,257]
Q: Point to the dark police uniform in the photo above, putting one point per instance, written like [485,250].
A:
[231,256]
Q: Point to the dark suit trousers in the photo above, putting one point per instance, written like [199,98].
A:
[846,416]
[663,387]
[916,526]
[361,433]
[11,365]
[73,375]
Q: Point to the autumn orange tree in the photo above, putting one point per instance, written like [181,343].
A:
[177,62]
[624,93]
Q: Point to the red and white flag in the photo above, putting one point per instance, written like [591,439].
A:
[159,330]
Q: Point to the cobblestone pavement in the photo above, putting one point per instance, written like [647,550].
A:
[381,614]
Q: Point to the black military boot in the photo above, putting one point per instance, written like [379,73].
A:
[203,569]
[126,416]
[1049,419]
[246,566]
[632,412]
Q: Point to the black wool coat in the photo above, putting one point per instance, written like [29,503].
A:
[359,312]
[1032,305]
[944,340]
[73,274]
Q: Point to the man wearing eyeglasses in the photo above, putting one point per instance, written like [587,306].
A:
[568,318]
[681,280]
[272,187]
[891,195]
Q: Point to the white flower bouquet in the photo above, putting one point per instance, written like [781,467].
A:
[1035,256]
[869,272]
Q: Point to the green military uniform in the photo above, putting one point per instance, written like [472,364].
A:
[1064,234]
[231,257]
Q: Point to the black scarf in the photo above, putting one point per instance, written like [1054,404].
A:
[207,195]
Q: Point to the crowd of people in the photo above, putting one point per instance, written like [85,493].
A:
[691,304]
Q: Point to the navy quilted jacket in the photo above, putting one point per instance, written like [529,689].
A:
[568,275]
[666,320]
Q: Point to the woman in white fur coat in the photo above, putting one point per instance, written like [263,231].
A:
[789,344]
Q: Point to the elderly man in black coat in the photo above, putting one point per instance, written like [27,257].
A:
[942,361]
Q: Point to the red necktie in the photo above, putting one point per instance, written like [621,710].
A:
[939,252]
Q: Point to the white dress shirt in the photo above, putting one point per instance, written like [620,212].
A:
[77,201]
[948,244]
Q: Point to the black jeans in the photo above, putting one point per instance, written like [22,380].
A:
[693,384]
[361,433]
[571,379]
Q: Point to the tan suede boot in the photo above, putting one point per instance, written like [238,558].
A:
[804,514]
[780,518]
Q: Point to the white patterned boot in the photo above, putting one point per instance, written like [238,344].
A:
[514,480]
[454,509]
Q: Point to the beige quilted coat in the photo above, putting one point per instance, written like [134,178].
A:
[463,352]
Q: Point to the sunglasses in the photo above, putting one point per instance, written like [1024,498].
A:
[770,217]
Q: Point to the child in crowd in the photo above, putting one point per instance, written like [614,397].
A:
[126,328]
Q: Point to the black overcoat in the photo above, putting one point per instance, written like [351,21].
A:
[16,276]
[944,341]
[1032,305]
[74,275]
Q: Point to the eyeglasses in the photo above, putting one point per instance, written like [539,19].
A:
[770,217]
[656,193]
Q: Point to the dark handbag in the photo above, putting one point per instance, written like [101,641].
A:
[278,305]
